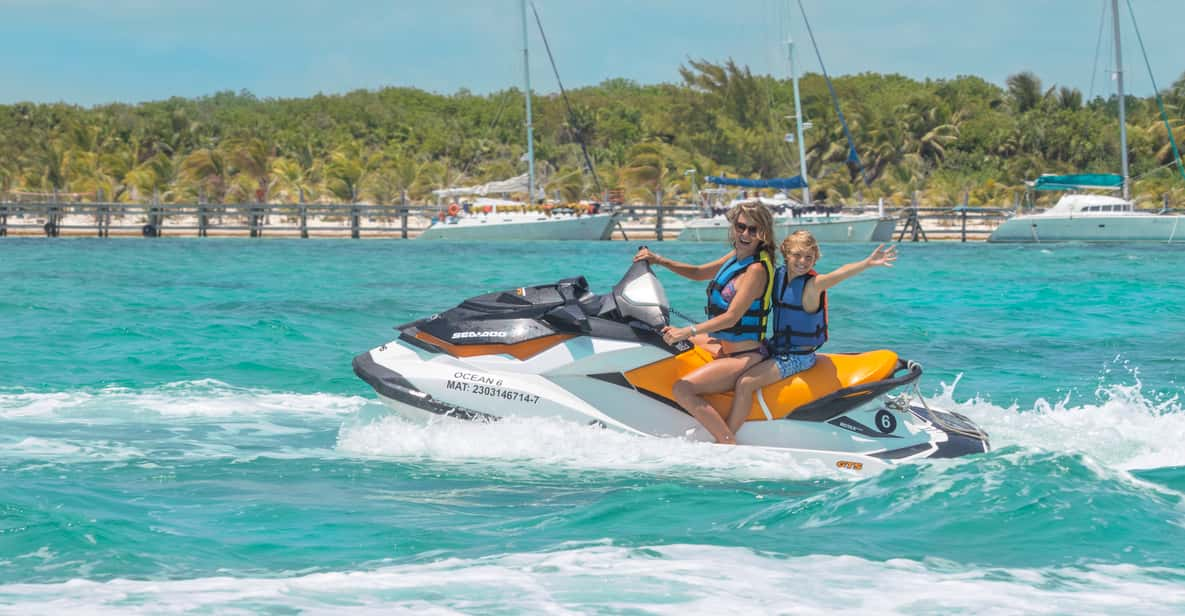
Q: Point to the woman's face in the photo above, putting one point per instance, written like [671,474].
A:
[745,233]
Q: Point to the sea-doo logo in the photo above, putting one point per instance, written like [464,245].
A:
[484,334]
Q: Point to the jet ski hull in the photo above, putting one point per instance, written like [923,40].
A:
[864,438]
[559,351]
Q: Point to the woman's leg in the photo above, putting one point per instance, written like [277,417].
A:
[715,377]
[747,386]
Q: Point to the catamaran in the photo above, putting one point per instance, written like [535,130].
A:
[1093,217]
[1089,217]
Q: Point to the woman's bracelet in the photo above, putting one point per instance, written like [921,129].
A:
[693,332]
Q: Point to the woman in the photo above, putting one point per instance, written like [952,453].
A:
[738,305]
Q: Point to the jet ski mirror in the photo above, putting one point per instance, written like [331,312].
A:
[639,295]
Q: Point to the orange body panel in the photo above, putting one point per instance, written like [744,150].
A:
[522,350]
[831,373]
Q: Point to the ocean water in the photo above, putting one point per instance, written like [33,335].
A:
[181,432]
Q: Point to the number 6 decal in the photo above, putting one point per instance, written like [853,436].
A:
[885,422]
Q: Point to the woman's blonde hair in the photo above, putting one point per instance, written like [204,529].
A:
[801,239]
[760,217]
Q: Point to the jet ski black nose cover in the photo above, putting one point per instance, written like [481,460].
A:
[566,306]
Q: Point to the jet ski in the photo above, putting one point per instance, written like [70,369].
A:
[559,350]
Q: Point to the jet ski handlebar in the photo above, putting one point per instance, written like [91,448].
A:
[640,295]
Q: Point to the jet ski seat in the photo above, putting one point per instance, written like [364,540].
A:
[839,381]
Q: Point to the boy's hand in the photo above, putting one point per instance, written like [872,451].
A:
[882,256]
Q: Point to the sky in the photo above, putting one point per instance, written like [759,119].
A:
[90,52]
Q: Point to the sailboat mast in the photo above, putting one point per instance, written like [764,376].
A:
[1119,85]
[806,191]
[530,128]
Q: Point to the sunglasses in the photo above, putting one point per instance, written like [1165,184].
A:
[742,227]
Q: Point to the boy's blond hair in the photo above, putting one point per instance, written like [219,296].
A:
[801,239]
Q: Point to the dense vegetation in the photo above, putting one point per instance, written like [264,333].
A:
[944,139]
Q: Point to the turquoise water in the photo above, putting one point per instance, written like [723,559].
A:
[181,431]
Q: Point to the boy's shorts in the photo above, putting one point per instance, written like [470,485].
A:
[793,364]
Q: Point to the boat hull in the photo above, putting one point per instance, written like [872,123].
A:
[496,228]
[1137,228]
[825,229]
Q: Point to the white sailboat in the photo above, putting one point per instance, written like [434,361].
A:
[1092,217]
[505,220]
[476,214]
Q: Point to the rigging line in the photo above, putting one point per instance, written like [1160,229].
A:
[1097,44]
[579,131]
[1154,170]
[784,12]
[853,156]
[1159,101]
[784,150]
[682,316]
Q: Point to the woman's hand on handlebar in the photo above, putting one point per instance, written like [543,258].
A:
[671,335]
[644,254]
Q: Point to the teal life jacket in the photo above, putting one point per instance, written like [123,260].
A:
[752,323]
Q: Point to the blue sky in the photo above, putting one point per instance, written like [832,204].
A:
[97,51]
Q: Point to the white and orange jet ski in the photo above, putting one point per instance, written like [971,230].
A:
[558,350]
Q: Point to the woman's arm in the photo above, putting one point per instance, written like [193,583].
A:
[749,285]
[686,270]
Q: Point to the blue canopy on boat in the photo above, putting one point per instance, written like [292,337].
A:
[783,183]
[1082,180]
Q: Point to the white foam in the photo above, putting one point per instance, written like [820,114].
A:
[203,419]
[544,444]
[672,579]
[34,447]
[200,398]
[1122,429]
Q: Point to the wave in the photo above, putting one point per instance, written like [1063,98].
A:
[196,398]
[199,419]
[1124,427]
[670,579]
[544,445]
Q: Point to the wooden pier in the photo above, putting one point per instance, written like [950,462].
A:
[361,221]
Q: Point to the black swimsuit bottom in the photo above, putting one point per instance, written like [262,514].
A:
[761,350]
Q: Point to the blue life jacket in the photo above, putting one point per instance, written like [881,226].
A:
[752,323]
[796,331]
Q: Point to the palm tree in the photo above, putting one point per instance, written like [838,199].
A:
[1069,98]
[349,166]
[293,182]
[157,175]
[1160,135]
[569,182]
[646,170]
[1025,90]
[49,165]
[252,162]
[114,166]
[207,172]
